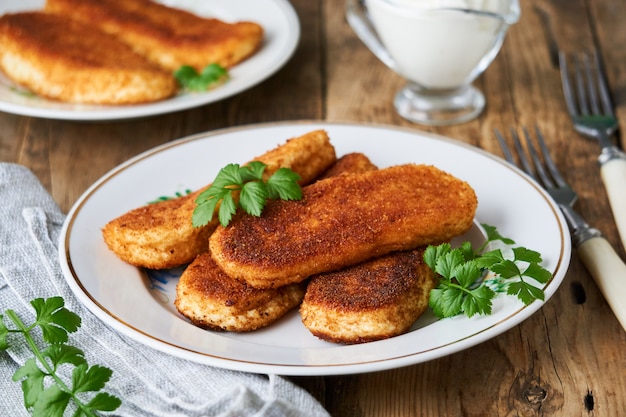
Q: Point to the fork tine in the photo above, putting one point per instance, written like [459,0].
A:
[521,154]
[556,175]
[568,92]
[542,163]
[591,88]
[508,155]
[580,88]
[541,172]
[590,92]
[504,147]
[603,86]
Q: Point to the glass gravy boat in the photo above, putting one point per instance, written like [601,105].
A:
[439,46]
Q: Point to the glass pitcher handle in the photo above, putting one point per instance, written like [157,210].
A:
[360,22]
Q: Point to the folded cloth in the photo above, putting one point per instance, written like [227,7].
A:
[149,382]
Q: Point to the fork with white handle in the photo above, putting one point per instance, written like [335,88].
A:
[601,260]
[592,113]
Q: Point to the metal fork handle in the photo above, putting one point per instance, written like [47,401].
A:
[581,231]
[608,271]
[609,150]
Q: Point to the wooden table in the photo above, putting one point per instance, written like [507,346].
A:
[569,359]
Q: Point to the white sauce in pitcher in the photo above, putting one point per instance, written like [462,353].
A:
[435,48]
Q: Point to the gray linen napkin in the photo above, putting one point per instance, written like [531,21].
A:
[150,383]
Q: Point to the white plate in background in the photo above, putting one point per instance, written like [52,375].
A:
[282,33]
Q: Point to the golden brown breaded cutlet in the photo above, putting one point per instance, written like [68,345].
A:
[61,59]
[342,221]
[168,36]
[213,300]
[351,163]
[158,235]
[375,300]
[161,235]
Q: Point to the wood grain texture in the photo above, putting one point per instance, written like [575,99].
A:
[568,359]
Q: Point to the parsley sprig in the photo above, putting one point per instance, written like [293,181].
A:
[253,192]
[463,287]
[192,80]
[45,392]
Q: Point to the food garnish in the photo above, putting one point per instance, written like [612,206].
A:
[177,194]
[253,192]
[469,279]
[45,393]
[192,80]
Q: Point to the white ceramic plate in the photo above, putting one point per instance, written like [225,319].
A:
[282,33]
[140,304]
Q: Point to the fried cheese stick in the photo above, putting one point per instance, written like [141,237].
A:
[62,59]
[211,299]
[168,36]
[343,221]
[161,235]
[375,300]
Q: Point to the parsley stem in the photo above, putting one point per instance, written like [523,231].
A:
[22,328]
[34,348]
[25,330]
[458,287]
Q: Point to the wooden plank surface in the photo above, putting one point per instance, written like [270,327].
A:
[569,359]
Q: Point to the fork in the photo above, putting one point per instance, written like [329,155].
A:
[592,114]
[599,257]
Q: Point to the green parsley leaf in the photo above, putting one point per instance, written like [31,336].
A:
[467,250]
[4,334]
[506,269]
[104,402]
[446,266]
[253,197]
[252,171]
[61,353]
[433,253]
[525,292]
[86,378]
[52,402]
[280,186]
[462,287]
[479,301]
[523,254]
[227,209]
[538,273]
[229,175]
[46,394]
[493,235]
[467,273]
[32,381]
[209,77]
[243,186]
[55,320]
[446,302]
